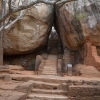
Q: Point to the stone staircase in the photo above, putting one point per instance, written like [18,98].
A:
[51,63]
[47,91]
[47,87]
[50,67]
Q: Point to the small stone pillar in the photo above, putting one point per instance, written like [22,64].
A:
[69,69]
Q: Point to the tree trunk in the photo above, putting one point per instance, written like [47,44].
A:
[1,35]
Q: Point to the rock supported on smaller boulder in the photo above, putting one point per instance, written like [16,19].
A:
[30,33]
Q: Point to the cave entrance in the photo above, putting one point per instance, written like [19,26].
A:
[50,59]
[54,45]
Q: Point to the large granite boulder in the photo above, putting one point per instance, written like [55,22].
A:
[78,21]
[30,33]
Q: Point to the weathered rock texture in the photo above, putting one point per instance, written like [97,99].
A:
[30,33]
[78,21]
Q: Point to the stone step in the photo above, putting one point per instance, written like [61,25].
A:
[37,96]
[43,91]
[44,85]
[15,96]
[49,71]
[49,74]
[50,62]
[49,66]
[52,57]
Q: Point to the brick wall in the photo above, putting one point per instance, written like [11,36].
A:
[90,56]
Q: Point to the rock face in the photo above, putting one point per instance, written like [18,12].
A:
[30,33]
[85,70]
[78,21]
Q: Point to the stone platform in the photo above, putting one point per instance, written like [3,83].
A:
[24,85]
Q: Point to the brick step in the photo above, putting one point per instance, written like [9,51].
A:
[44,91]
[37,96]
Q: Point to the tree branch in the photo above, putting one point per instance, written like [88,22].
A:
[22,7]
[9,4]
[13,22]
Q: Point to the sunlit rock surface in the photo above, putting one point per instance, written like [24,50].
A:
[78,21]
[30,33]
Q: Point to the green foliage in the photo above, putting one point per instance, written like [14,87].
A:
[79,17]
